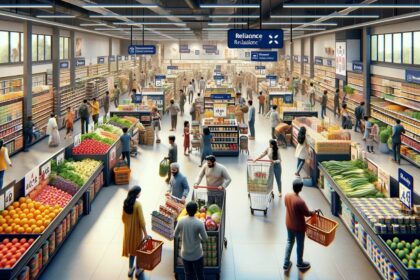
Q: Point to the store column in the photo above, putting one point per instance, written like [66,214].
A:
[311,57]
[292,62]
[109,53]
[302,52]
[366,66]
[27,69]
[56,70]
[72,60]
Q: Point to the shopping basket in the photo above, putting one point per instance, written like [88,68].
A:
[260,185]
[149,254]
[122,173]
[321,229]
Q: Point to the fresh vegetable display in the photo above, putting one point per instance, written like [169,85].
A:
[407,252]
[52,196]
[95,136]
[353,178]
[211,216]
[78,172]
[111,128]
[64,184]
[27,216]
[91,147]
[120,122]
[11,250]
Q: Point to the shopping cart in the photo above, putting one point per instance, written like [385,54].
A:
[260,185]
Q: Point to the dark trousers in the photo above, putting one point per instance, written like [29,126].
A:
[95,118]
[357,124]
[1,178]
[273,133]
[85,125]
[116,101]
[300,164]
[261,108]
[126,156]
[252,128]
[194,269]
[174,119]
[323,112]
[396,151]
[190,97]
[28,139]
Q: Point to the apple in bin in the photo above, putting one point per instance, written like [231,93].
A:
[203,209]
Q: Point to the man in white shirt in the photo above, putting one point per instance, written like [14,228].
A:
[190,92]
[202,85]
[274,120]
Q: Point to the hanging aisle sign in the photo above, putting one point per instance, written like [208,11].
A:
[318,60]
[141,49]
[340,58]
[406,186]
[159,80]
[101,60]
[255,38]
[80,62]
[272,80]
[218,79]
[305,59]
[111,58]
[263,56]
[64,64]
[412,76]
[357,67]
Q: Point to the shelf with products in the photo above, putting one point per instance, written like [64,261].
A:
[93,70]
[103,69]
[64,77]
[296,69]
[81,73]
[307,70]
[11,124]
[355,81]
[325,76]
[42,107]
[225,136]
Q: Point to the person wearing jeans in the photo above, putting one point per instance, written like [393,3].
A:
[273,154]
[125,143]
[296,211]
[191,232]
[251,120]
[397,130]
[84,116]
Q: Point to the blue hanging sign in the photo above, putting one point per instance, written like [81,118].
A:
[357,67]
[64,64]
[263,56]
[111,58]
[255,38]
[119,57]
[221,96]
[406,186]
[329,62]
[218,77]
[101,60]
[172,67]
[259,67]
[271,77]
[184,49]
[80,62]
[296,58]
[412,76]
[318,60]
[160,77]
[141,49]
[305,59]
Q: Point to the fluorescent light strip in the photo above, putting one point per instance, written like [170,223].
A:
[93,24]
[55,16]
[225,23]
[150,23]
[215,29]
[321,16]
[25,6]
[238,6]
[139,29]
[347,6]
[300,23]
[234,16]
[128,6]
[309,29]
[156,16]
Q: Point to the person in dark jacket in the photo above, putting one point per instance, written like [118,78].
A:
[84,116]
[106,103]
[28,132]
[178,185]
[125,143]
[359,113]
[397,130]
[172,154]
[117,93]
[324,102]
[337,103]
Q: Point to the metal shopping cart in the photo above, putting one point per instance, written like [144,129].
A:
[260,185]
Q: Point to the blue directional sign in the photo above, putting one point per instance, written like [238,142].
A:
[255,38]
[406,186]
[357,67]
[101,60]
[64,64]
[172,67]
[80,62]
[263,56]
[412,76]
[261,67]
[218,77]
[221,96]
[141,49]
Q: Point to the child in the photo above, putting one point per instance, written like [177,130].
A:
[187,148]
[69,122]
[369,140]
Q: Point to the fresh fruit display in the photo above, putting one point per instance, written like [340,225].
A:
[353,178]
[106,134]
[91,147]
[27,216]
[95,136]
[63,184]
[78,172]
[111,128]
[52,196]
[11,250]
[211,215]
[408,253]
[120,122]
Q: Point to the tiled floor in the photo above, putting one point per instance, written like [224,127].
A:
[255,243]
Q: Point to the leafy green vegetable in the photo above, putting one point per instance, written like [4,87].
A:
[96,137]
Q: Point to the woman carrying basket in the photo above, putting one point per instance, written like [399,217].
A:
[134,228]
[273,154]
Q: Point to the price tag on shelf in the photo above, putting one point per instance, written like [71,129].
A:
[9,197]
[77,139]
[45,170]
[60,158]
[406,185]
[91,127]
[2,202]
[31,180]
[219,110]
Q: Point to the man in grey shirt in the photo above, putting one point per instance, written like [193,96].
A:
[192,233]
[172,154]
[178,185]
[173,110]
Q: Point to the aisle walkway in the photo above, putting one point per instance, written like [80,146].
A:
[255,243]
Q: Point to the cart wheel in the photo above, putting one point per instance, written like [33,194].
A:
[249,196]
[265,212]
[252,211]
[225,243]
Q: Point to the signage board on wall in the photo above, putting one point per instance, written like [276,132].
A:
[111,58]
[263,56]
[64,64]
[406,186]
[183,48]
[255,38]
[141,49]
[101,59]
[261,67]
[357,66]
[412,76]
[80,62]
[296,58]
[318,60]
[341,58]
[305,59]
[172,67]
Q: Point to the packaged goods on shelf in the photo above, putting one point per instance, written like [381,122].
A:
[42,106]
[225,135]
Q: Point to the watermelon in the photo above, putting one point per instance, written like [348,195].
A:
[213,208]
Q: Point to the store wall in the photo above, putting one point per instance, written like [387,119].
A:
[324,46]
[92,46]
[307,46]
[116,46]
[399,27]
[296,47]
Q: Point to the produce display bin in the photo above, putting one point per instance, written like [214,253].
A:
[144,116]
[372,244]
[289,115]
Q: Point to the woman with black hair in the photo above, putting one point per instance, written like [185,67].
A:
[134,228]
[273,154]
[206,149]
[301,150]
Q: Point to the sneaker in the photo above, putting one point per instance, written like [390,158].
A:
[139,271]
[304,266]
[279,194]
[131,272]
[286,268]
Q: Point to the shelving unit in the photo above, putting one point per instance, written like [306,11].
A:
[42,107]
[11,124]
[324,76]
[209,99]
[64,77]
[81,73]
[225,137]
[72,97]
[296,69]
[306,70]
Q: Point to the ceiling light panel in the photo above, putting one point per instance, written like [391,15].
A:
[150,23]
[321,16]
[234,6]
[234,16]
[119,6]
[347,6]
[55,16]
[225,23]
[300,23]
[25,6]
[93,24]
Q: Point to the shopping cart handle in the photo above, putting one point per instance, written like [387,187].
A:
[207,188]
[262,160]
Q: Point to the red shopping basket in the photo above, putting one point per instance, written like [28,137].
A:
[149,254]
[321,229]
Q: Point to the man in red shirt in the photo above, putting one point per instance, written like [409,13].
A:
[296,211]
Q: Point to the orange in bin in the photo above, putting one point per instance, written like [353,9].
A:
[149,254]
[321,229]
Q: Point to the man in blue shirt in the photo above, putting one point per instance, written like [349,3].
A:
[397,130]
[125,143]
[178,185]
[251,120]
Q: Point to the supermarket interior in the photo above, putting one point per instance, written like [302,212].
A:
[209,139]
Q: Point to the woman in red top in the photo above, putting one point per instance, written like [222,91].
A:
[187,149]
